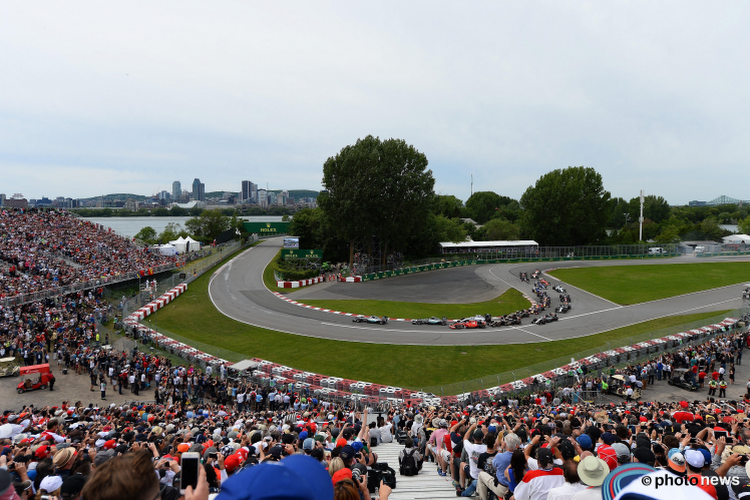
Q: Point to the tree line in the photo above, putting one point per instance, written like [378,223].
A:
[379,193]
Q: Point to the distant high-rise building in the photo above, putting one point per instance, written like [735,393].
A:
[249,192]
[2,199]
[271,198]
[176,191]
[199,190]
[262,198]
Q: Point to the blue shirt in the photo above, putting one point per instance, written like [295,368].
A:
[500,463]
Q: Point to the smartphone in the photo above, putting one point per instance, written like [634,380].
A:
[189,463]
[721,434]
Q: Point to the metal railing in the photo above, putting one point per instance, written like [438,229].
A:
[521,373]
[529,254]
[187,274]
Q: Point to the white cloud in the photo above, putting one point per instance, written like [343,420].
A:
[133,97]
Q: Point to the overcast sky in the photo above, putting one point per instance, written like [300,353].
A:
[97,99]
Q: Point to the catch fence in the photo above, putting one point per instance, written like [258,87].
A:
[369,270]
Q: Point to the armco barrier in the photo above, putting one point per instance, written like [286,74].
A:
[374,394]
[300,283]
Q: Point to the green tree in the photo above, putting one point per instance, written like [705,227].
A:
[171,233]
[208,225]
[308,225]
[498,229]
[147,235]
[483,205]
[566,207]
[376,188]
[448,229]
[743,226]
[448,206]
[670,234]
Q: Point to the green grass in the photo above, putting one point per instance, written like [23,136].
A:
[510,301]
[193,316]
[635,284]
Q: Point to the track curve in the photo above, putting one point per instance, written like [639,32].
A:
[237,291]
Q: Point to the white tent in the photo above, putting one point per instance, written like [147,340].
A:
[192,245]
[179,244]
[737,239]
[168,249]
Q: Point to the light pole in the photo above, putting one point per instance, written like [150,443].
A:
[640,220]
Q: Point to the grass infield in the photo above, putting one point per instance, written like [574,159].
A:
[635,284]
[512,300]
[194,317]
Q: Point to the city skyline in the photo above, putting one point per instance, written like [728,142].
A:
[118,99]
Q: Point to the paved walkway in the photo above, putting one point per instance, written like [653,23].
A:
[427,484]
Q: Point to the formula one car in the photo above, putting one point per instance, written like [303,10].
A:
[563,308]
[559,289]
[507,320]
[524,277]
[535,274]
[467,323]
[430,321]
[547,318]
[370,319]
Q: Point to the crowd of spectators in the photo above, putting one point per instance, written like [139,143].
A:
[279,442]
[44,249]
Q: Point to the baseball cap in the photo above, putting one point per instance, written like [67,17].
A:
[694,458]
[346,452]
[302,476]
[340,475]
[478,434]
[676,461]
[309,444]
[544,455]
[584,441]
[50,483]
[609,455]
[608,438]
[623,452]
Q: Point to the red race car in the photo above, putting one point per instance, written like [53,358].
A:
[467,323]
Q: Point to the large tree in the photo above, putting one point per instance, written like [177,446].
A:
[376,188]
[566,207]
[208,225]
[483,206]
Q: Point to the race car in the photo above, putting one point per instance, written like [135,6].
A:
[559,289]
[361,318]
[467,323]
[430,321]
[563,308]
[547,318]
[535,274]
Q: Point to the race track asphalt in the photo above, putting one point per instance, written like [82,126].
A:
[237,290]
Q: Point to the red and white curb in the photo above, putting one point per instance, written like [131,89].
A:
[368,392]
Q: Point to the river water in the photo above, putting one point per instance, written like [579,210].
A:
[130,226]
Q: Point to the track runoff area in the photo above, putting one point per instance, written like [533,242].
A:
[237,291]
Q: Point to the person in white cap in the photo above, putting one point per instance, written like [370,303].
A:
[50,485]
[592,471]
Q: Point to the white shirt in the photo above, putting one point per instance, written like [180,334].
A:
[565,492]
[474,450]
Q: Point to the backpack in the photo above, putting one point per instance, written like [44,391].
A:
[380,471]
[408,466]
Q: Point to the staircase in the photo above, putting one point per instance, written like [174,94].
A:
[426,485]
